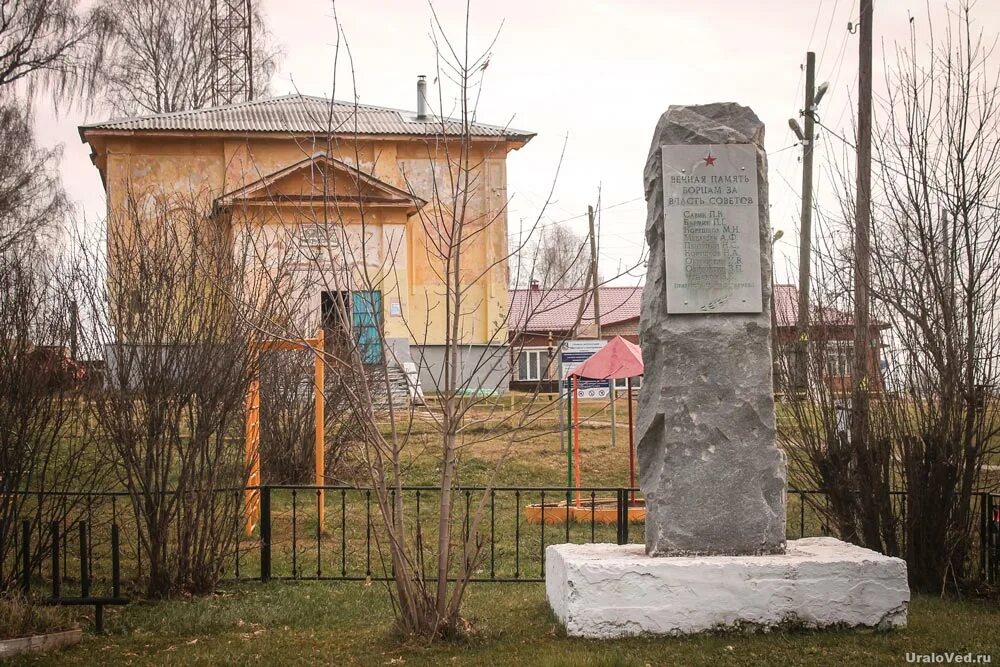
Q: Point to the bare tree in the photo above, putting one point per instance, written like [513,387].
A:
[935,286]
[51,42]
[560,258]
[938,274]
[161,56]
[44,443]
[458,234]
[32,204]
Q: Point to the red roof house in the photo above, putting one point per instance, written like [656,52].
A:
[541,319]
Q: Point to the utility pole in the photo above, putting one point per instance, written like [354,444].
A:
[593,272]
[597,315]
[805,229]
[807,136]
[862,234]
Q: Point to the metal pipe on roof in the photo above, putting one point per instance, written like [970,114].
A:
[421,97]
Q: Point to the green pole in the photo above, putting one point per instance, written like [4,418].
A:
[569,434]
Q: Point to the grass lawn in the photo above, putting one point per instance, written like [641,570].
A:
[346,624]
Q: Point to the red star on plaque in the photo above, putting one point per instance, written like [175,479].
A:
[709,160]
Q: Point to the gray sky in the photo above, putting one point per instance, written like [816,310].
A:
[595,74]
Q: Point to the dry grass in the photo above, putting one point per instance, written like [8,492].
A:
[23,618]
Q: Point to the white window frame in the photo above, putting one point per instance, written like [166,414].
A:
[621,384]
[838,356]
[541,355]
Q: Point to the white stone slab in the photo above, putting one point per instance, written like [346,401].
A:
[606,590]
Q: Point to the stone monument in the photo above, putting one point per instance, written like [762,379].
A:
[710,469]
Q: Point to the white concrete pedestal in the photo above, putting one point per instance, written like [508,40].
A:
[606,590]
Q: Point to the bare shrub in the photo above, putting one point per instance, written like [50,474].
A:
[287,426]
[45,445]
[176,320]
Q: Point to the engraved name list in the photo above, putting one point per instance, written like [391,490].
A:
[711,227]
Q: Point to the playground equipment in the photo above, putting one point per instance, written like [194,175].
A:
[252,426]
[619,359]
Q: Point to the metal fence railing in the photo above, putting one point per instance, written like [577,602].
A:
[94,551]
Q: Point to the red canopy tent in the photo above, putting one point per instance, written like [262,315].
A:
[619,359]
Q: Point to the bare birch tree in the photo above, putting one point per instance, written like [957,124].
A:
[32,205]
[51,42]
[559,256]
[161,60]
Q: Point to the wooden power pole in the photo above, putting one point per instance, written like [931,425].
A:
[862,234]
[597,314]
[593,272]
[805,231]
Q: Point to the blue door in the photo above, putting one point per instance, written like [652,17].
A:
[367,312]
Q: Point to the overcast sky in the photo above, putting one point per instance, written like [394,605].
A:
[593,74]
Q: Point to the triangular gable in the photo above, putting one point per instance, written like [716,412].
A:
[298,183]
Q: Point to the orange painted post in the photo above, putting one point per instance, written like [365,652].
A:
[320,445]
[252,443]
[576,440]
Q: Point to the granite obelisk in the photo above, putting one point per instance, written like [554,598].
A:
[711,472]
[714,480]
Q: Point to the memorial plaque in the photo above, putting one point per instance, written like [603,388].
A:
[711,229]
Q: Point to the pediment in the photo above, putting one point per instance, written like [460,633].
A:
[321,178]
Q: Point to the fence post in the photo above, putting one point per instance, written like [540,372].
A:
[25,556]
[3,546]
[984,535]
[116,569]
[622,514]
[265,533]
[84,562]
[993,538]
[56,579]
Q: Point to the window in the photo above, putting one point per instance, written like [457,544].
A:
[622,383]
[531,364]
[839,357]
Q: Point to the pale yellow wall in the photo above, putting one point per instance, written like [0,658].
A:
[381,264]
[205,167]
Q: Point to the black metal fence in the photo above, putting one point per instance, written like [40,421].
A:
[95,554]
[70,578]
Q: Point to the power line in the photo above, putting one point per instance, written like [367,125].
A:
[577,217]
[894,170]
[782,150]
[829,27]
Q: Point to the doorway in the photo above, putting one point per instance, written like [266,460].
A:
[353,318]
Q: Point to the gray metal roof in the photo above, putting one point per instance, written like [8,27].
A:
[304,114]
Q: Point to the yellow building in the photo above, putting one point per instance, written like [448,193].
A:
[295,167]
